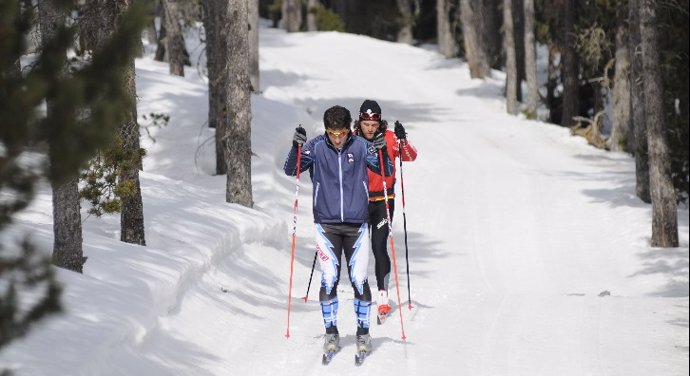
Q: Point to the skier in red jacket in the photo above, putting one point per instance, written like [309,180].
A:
[368,126]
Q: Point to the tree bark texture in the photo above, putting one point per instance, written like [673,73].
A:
[472,30]
[570,66]
[292,15]
[621,133]
[511,64]
[174,41]
[67,231]
[216,26]
[664,205]
[531,60]
[519,32]
[638,120]
[237,140]
[132,215]
[253,8]
[446,40]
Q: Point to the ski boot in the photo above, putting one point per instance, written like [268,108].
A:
[363,348]
[331,345]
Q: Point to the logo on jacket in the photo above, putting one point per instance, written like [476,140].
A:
[350,158]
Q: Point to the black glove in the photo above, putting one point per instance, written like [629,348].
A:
[300,137]
[400,131]
[379,141]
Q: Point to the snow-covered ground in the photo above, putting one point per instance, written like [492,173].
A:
[528,251]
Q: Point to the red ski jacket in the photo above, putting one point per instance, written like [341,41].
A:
[407,154]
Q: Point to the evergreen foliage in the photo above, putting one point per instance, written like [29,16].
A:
[89,103]
[327,20]
[101,186]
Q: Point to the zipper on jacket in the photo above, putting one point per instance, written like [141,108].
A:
[340,178]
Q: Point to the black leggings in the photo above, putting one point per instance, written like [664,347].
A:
[378,228]
[343,238]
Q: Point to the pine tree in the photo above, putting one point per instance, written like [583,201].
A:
[292,15]
[174,41]
[511,63]
[664,206]
[639,121]
[237,135]
[621,134]
[67,231]
[473,28]
[446,40]
[216,27]
[531,60]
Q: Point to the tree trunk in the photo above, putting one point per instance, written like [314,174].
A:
[570,66]
[472,31]
[292,15]
[67,232]
[216,26]
[664,205]
[405,7]
[531,60]
[489,19]
[519,32]
[638,120]
[175,45]
[311,15]
[237,143]
[132,215]
[621,134]
[161,53]
[511,65]
[446,40]
[253,8]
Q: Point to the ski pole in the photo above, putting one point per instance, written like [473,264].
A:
[294,236]
[390,237]
[313,264]
[407,259]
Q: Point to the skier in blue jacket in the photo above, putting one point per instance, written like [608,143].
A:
[337,161]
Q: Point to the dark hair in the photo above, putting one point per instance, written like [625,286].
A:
[337,117]
[357,127]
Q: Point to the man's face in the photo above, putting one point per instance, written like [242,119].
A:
[338,136]
[369,128]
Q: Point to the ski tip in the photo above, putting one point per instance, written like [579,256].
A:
[359,359]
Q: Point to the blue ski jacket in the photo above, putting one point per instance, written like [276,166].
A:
[339,177]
